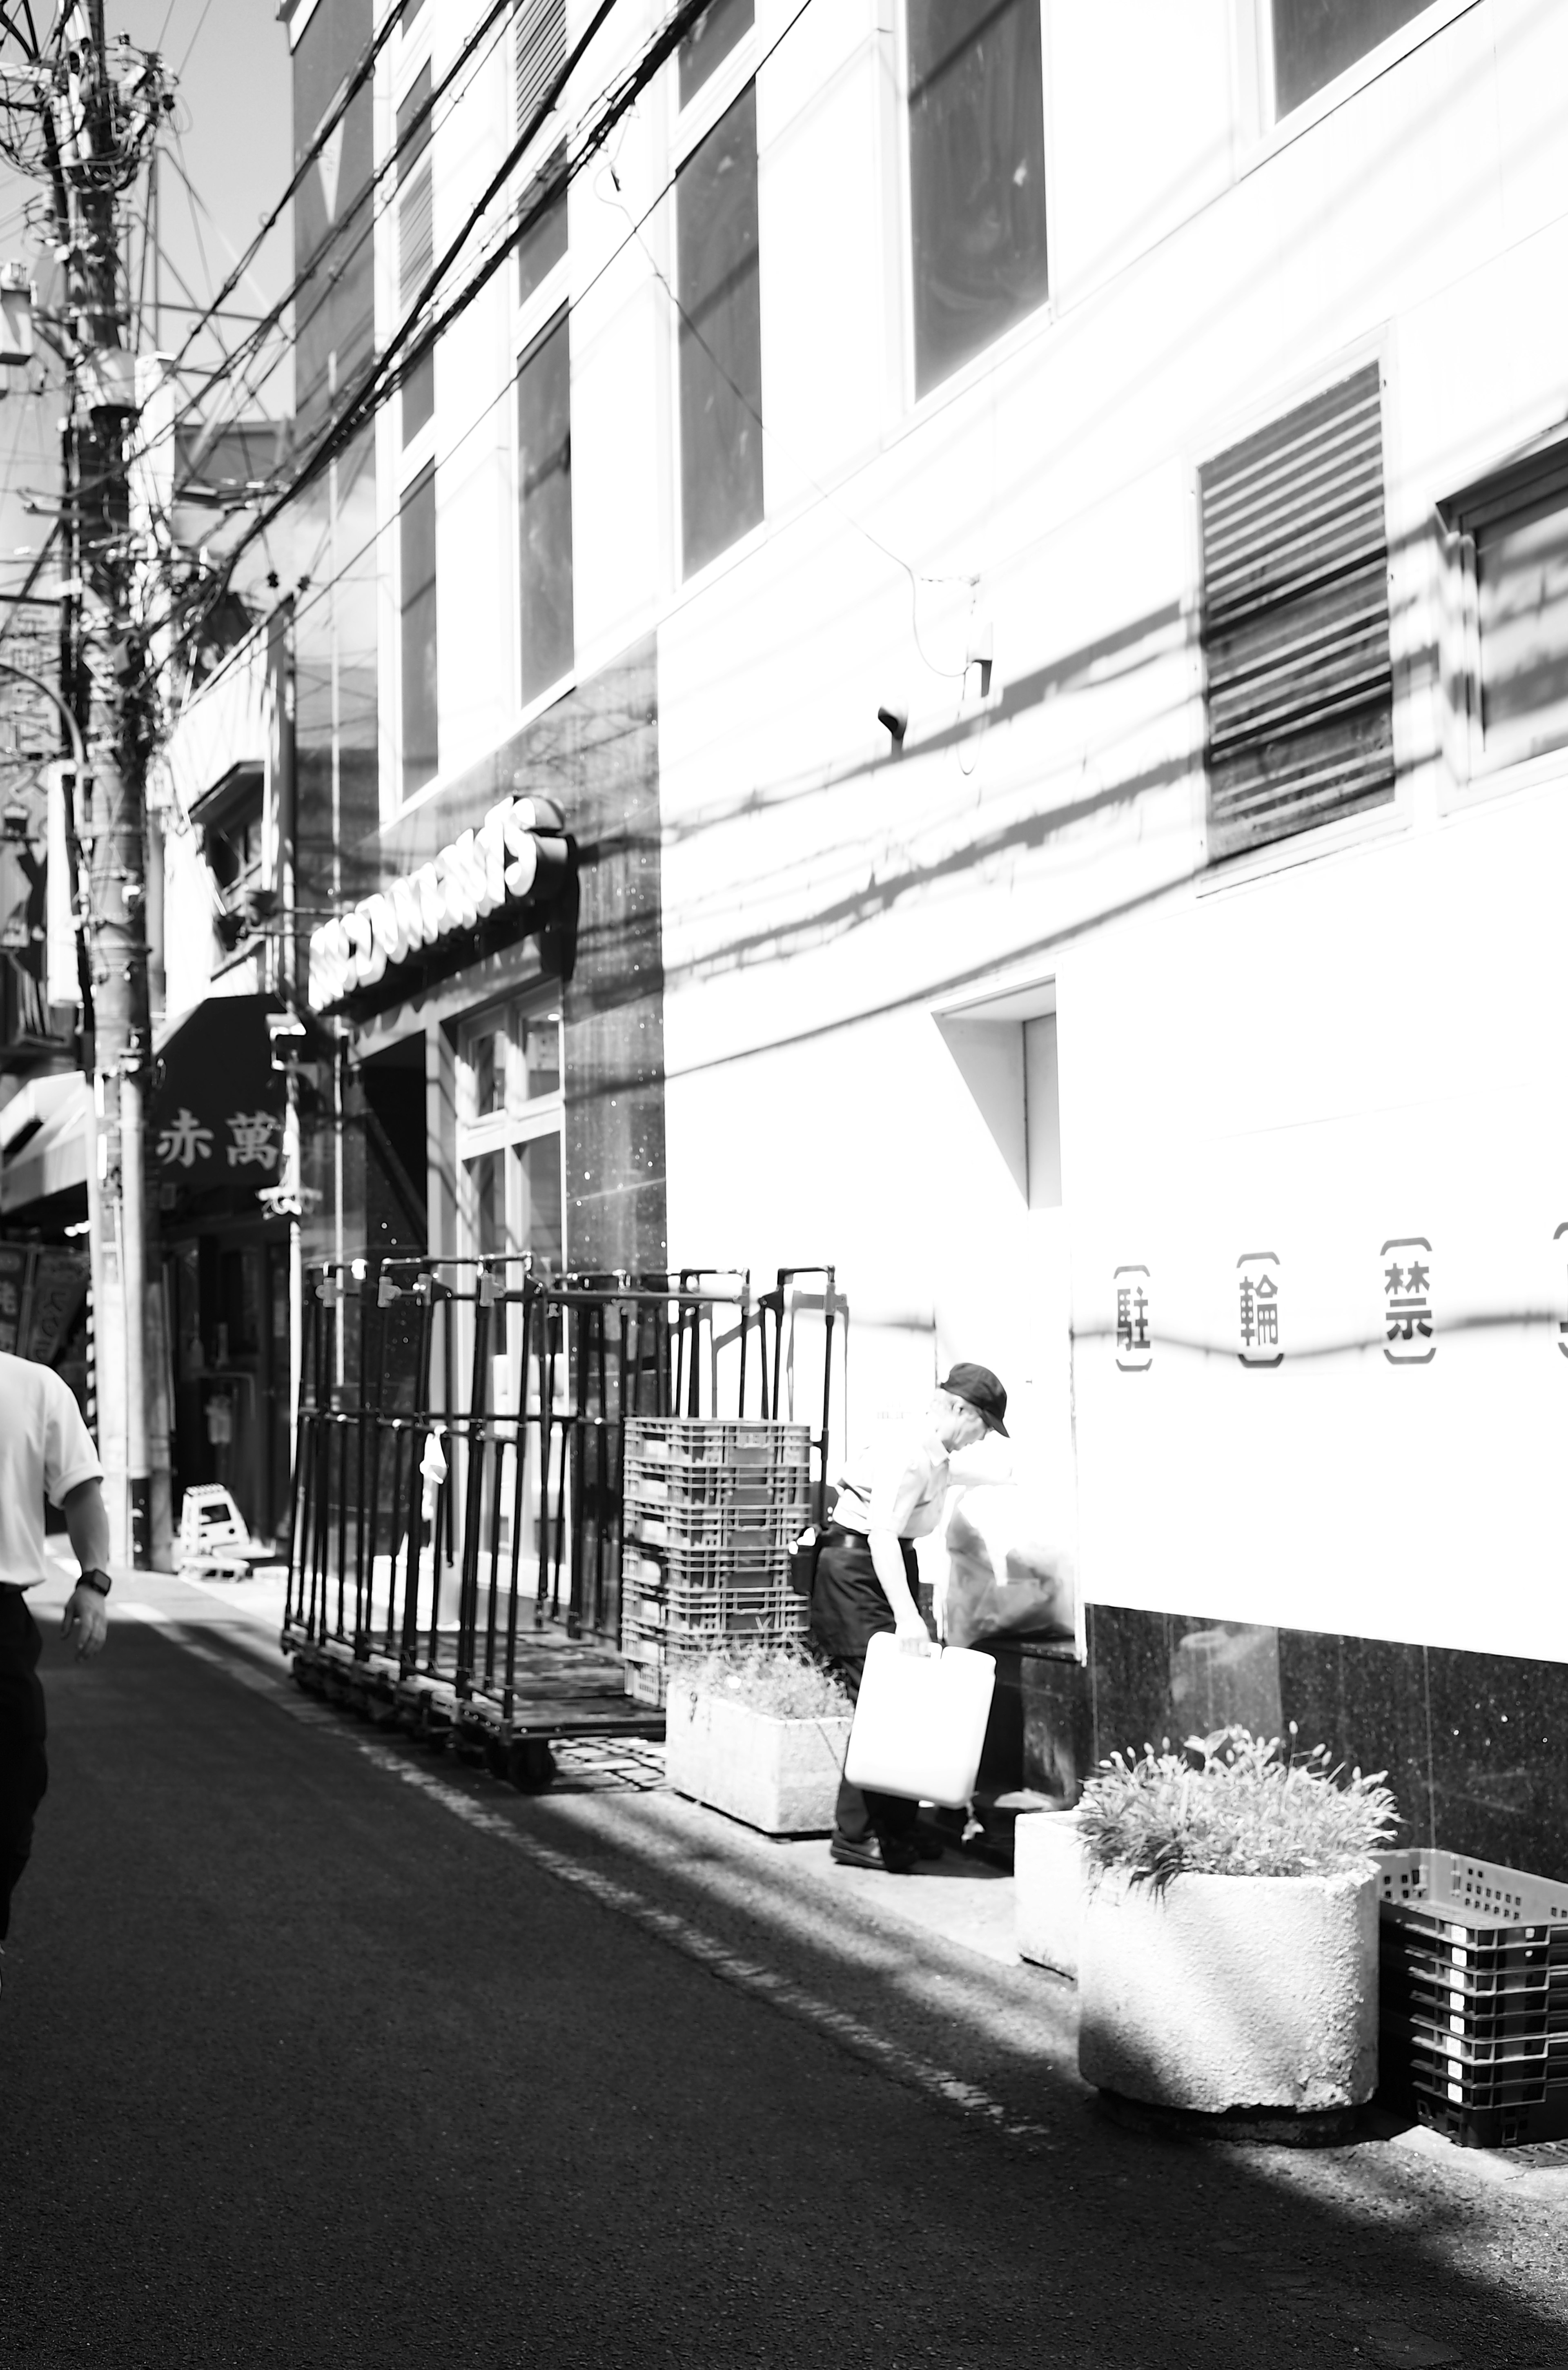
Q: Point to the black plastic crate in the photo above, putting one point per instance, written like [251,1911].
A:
[1540,1980]
[1509,2125]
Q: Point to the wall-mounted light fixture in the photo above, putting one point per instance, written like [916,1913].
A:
[894,721]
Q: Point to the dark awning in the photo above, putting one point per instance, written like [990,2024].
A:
[215,1122]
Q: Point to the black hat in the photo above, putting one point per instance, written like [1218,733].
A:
[979,1388]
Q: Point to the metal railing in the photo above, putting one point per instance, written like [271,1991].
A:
[458,1466]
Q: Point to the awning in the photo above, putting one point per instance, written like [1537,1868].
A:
[44,1134]
[216,1122]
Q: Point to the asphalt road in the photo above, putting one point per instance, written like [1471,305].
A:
[316,2051]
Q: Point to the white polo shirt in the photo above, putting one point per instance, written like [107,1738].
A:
[45,1452]
[898,1485]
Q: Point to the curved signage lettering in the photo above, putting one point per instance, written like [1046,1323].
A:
[479,873]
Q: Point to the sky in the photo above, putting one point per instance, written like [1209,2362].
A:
[232,139]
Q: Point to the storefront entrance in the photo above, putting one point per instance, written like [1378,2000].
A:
[227,1306]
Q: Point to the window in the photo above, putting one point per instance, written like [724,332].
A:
[976,176]
[1316,39]
[542,243]
[509,1133]
[416,237]
[718,30]
[544,503]
[416,557]
[540,54]
[1514,531]
[721,336]
[1008,1061]
[1296,621]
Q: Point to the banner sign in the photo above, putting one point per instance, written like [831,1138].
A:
[216,1118]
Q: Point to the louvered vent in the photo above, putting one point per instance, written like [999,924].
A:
[541,54]
[1296,621]
[416,237]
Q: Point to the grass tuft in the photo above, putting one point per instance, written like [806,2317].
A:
[1232,1804]
[785,1681]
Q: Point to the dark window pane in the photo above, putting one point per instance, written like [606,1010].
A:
[977,175]
[543,242]
[721,336]
[1521,564]
[419,397]
[1315,40]
[544,486]
[413,124]
[542,1229]
[417,601]
[717,31]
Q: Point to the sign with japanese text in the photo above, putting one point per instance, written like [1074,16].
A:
[216,1124]
[1134,1345]
[1257,1310]
[1407,1295]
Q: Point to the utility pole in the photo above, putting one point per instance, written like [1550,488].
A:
[99,111]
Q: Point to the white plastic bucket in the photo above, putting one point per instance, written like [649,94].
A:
[920,1721]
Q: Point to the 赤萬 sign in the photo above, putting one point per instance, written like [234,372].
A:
[505,863]
[216,1119]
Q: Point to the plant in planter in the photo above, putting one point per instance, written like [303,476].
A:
[758,1731]
[1229,1959]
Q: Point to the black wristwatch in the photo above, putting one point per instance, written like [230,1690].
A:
[95,1579]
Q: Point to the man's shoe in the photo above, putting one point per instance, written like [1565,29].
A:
[874,1853]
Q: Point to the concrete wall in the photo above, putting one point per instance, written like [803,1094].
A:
[1344,1041]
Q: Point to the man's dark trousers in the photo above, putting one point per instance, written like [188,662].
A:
[848,1609]
[24,1773]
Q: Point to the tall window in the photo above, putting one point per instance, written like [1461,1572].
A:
[415,559]
[976,176]
[721,336]
[1316,39]
[718,30]
[1514,531]
[1296,621]
[542,243]
[544,496]
[416,237]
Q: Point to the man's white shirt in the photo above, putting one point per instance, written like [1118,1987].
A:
[46,1451]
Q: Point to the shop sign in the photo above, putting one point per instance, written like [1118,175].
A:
[481,872]
[216,1117]
[1134,1342]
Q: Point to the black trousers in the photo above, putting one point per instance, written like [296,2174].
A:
[848,1610]
[24,1772]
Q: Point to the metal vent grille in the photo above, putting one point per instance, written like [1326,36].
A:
[1296,621]
[541,54]
[416,237]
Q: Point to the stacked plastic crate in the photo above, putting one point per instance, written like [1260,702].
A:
[710,1511]
[1474,2024]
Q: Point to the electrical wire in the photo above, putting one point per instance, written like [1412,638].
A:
[251,348]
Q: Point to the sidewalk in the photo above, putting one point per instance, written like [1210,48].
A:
[994,2025]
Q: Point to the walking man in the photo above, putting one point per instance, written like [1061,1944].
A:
[45,1452]
[866,1579]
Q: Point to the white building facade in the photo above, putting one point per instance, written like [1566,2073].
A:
[1021,550]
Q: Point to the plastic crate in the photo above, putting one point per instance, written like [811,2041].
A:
[1489,1987]
[676,1561]
[1511,2125]
[717,1485]
[689,1440]
[1475,1903]
[645,1683]
[715,1527]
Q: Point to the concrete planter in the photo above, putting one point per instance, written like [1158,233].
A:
[1226,1993]
[779,1774]
[1050,1889]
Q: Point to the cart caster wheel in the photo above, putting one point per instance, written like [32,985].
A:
[496,1757]
[531,1765]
